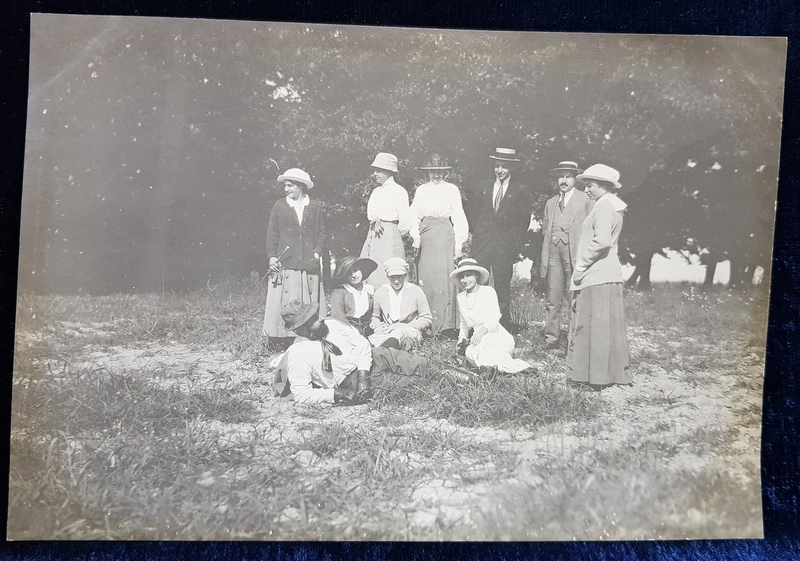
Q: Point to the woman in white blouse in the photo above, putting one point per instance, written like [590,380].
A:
[443,229]
[389,218]
[489,344]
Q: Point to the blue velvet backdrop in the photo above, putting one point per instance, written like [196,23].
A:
[781,461]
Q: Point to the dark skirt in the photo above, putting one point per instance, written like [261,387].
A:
[598,349]
[435,265]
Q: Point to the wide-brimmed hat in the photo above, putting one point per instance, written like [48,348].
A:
[297,313]
[348,264]
[385,161]
[297,175]
[601,172]
[435,162]
[395,266]
[566,165]
[505,155]
[469,264]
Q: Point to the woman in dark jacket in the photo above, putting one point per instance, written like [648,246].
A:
[295,241]
[351,300]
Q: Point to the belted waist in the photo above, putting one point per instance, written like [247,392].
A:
[386,221]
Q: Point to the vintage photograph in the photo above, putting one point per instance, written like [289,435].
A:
[324,282]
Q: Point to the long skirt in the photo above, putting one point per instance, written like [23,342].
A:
[379,249]
[495,349]
[598,349]
[409,337]
[435,265]
[291,285]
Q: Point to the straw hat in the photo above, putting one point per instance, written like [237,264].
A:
[505,155]
[297,313]
[601,172]
[469,264]
[348,264]
[298,176]
[436,163]
[566,166]
[385,161]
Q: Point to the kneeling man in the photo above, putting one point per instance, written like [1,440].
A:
[331,362]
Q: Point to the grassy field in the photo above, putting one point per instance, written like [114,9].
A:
[153,417]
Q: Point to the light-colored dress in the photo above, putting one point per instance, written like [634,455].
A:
[443,229]
[389,203]
[480,309]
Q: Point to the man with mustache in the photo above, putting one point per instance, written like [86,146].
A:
[331,362]
[561,229]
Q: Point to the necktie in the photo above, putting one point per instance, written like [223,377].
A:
[561,202]
[328,349]
[498,197]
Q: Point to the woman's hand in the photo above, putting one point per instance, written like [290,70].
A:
[274,266]
[377,227]
[577,277]
[478,335]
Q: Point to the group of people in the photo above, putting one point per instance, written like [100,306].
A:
[374,306]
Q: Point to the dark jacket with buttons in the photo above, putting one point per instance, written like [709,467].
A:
[303,240]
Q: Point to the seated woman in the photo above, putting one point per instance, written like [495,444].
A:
[351,300]
[490,344]
[400,311]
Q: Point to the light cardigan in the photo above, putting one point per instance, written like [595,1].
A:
[414,308]
[597,260]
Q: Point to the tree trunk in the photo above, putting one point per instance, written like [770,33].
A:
[640,278]
[711,269]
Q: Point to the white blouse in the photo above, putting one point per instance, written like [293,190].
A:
[361,298]
[390,202]
[441,200]
[299,206]
[479,308]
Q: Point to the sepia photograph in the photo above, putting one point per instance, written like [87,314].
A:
[284,281]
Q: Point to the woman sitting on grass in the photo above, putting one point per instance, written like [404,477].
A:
[490,345]
[401,312]
[351,300]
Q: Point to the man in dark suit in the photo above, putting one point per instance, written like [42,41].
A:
[561,229]
[500,214]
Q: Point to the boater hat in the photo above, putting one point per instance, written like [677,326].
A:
[297,175]
[469,264]
[505,155]
[435,162]
[601,172]
[297,313]
[385,161]
[348,264]
[566,166]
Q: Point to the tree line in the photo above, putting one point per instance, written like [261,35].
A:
[154,144]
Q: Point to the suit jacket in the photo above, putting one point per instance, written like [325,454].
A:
[303,239]
[576,210]
[503,231]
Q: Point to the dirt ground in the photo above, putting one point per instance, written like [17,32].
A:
[471,495]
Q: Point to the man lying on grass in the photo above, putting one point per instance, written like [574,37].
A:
[331,362]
